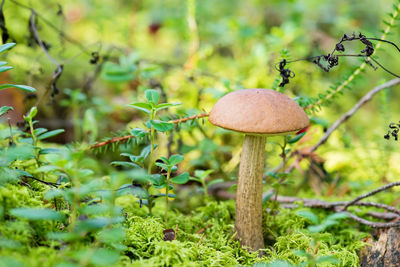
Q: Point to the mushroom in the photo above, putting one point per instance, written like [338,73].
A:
[257,113]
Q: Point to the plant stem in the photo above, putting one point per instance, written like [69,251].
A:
[203,182]
[152,115]
[34,139]
[76,199]
[166,196]
[150,164]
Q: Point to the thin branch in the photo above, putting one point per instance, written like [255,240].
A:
[125,138]
[338,206]
[372,224]
[112,140]
[51,25]
[351,112]
[380,189]
[41,181]
[194,117]
[32,25]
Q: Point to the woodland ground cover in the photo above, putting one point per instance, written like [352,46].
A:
[104,114]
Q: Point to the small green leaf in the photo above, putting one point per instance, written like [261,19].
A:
[162,126]
[296,138]
[181,179]
[142,106]
[4,110]
[50,150]
[19,86]
[152,95]
[175,159]
[39,131]
[337,216]
[54,193]
[328,259]
[5,68]
[158,180]
[202,174]
[267,197]
[319,121]
[191,178]
[63,236]
[166,105]
[37,214]
[316,228]
[216,181]
[125,164]
[162,165]
[50,134]
[47,168]
[4,47]
[165,160]
[308,215]
[139,132]
[32,113]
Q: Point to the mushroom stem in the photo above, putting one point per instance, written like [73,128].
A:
[249,192]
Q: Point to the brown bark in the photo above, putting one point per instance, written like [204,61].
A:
[383,253]
[249,193]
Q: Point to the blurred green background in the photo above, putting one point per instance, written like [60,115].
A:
[195,52]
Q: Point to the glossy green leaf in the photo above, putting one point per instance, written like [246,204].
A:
[337,216]
[142,106]
[51,134]
[162,165]
[32,113]
[5,109]
[152,95]
[158,180]
[22,87]
[308,215]
[39,131]
[166,105]
[162,126]
[50,150]
[4,47]
[139,132]
[175,159]
[104,257]
[328,259]
[35,214]
[47,168]
[181,179]
[296,138]
[5,68]
[216,181]
[125,164]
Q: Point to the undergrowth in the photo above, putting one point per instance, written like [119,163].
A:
[205,237]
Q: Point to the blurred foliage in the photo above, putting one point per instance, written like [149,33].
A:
[66,203]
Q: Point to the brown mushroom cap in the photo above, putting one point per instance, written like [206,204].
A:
[258,111]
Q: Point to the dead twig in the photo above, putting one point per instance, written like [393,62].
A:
[201,239]
[339,206]
[353,110]
[373,192]
[367,97]
[41,181]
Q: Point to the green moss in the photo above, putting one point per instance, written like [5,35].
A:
[205,236]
